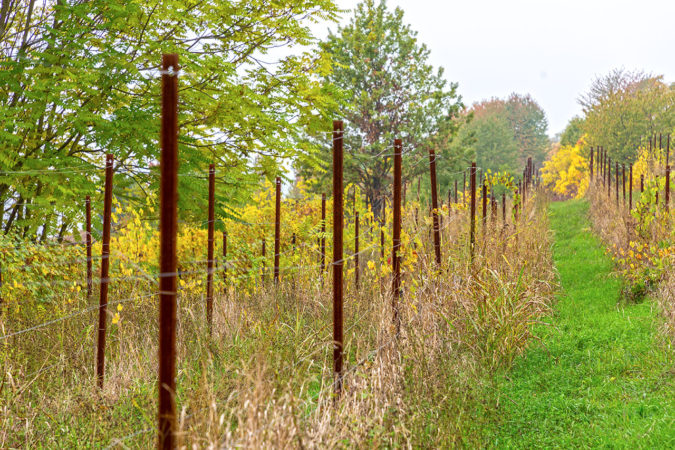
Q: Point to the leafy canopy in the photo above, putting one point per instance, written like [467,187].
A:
[80,79]
[389,90]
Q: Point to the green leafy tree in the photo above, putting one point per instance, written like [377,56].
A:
[80,79]
[572,132]
[623,107]
[389,90]
[529,124]
[503,134]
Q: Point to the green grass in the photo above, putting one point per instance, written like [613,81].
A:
[601,376]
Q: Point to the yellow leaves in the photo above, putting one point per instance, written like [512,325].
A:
[566,172]
[371,265]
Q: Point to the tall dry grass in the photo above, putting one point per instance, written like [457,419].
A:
[264,379]
[649,226]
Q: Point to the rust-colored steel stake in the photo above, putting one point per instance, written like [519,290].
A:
[277,230]
[455,191]
[88,245]
[105,266]
[616,184]
[210,252]
[396,247]
[667,197]
[591,164]
[356,250]
[472,218]
[323,232]
[264,264]
[623,182]
[630,189]
[668,150]
[168,228]
[338,261]
[642,183]
[504,208]
[434,206]
[225,261]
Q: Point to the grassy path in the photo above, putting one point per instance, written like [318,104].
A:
[602,377]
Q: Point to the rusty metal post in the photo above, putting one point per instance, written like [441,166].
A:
[396,247]
[168,263]
[623,182]
[356,250]
[504,207]
[434,207]
[210,252]
[667,197]
[225,261]
[616,184]
[472,218]
[264,264]
[338,262]
[105,266]
[88,245]
[277,230]
[323,230]
[642,183]
[168,227]
[591,164]
[455,191]
[630,189]
[668,150]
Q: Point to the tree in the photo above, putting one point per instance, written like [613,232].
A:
[623,107]
[389,91]
[504,133]
[572,132]
[80,79]
[529,124]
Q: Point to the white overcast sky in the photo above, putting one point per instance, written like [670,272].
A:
[552,49]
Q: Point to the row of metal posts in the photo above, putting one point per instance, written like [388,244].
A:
[600,159]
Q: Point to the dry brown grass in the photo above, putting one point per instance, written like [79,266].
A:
[618,229]
[264,379]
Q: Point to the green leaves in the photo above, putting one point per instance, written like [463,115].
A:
[387,90]
[86,83]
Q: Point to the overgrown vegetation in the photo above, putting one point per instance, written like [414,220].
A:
[265,377]
[641,240]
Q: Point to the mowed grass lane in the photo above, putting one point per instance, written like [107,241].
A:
[602,376]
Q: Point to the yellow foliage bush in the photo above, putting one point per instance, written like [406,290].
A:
[566,173]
